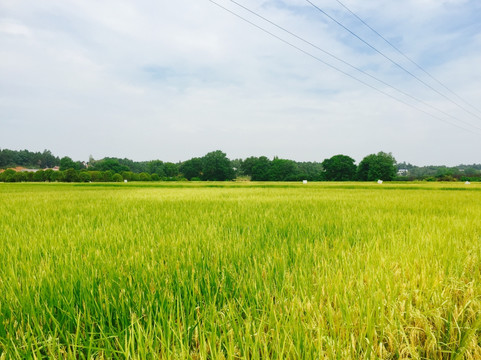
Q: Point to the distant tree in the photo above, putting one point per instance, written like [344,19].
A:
[127,175]
[39,176]
[145,177]
[257,168]
[247,164]
[96,176]
[283,170]
[155,177]
[134,166]
[8,175]
[92,161]
[67,163]
[171,170]
[25,158]
[59,176]
[107,176]
[471,171]
[47,160]
[71,175]
[85,176]
[261,169]
[339,168]
[311,171]
[237,167]
[380,166]
[117,178]
[109,164]
[156,167]
[20,176]
[191,168]
[217,167]
[49,175]
[5,158]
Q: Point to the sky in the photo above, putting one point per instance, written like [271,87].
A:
[172,80]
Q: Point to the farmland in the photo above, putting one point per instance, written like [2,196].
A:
[240,270]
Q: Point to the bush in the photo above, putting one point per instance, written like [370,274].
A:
[8,175]
[117,178]
[108,175]
[145,177]
[448,178]
[39,176]
[85,176]
[71,175]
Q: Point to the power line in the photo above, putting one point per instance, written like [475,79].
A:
[338,69]
[391,60]
[406,57]
[352,66]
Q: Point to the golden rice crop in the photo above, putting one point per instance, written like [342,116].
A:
[251,271]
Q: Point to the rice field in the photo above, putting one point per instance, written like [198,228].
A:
[240,271]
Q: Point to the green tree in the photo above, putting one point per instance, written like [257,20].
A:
[311,171]
[261,169]
[257,168]
[380,166]
[217,167]
[47,160]
[127,175]
[20,176]
[145,177]
[71,175]
[109,164]
[49,175]
[67,163]
[85,176]
[39,176]
[283,170]
[171,170]
[191,168]
[117,178]
[339,168]
[237,166]
[156,167]
[8,175]
[96,176]
[247,164]
[59,176]
[108,175]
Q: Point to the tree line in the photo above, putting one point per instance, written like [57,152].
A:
[215,166]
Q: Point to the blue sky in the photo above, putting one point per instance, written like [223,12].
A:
[172,80]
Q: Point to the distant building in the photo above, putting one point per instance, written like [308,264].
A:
[402,172]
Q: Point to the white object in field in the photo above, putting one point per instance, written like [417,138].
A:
[379,181]
[467,183]
[304,181]
[125,180]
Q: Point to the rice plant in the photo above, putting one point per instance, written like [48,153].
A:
[240,271]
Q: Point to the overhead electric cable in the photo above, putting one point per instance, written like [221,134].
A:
[339,70]
[391,60]
[352,66]
[407,57]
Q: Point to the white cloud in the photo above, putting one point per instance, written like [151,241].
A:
[173,80]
